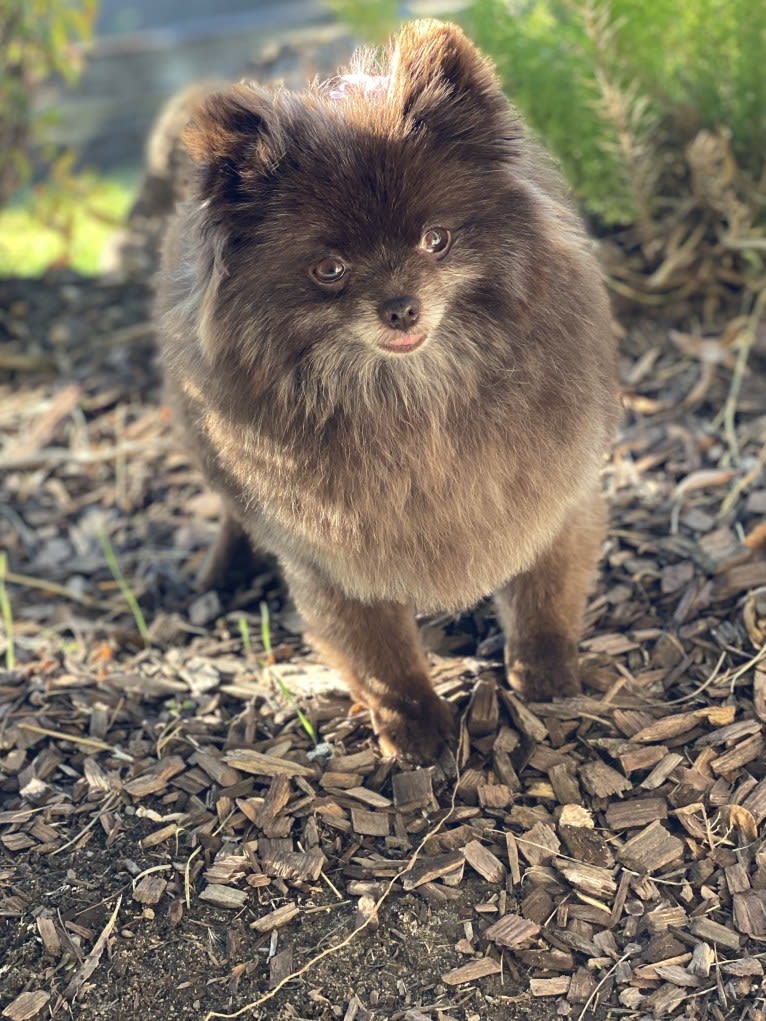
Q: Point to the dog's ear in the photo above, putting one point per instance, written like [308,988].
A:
[439,79]
[233,137]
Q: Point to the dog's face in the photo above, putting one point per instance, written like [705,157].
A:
[370,246]
[370,229]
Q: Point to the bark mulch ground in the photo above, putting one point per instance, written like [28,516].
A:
[194,824]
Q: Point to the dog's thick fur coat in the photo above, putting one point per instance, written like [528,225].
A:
[391,472]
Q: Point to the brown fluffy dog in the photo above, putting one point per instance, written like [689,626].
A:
[389,346]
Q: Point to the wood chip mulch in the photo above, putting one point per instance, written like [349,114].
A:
[612,844]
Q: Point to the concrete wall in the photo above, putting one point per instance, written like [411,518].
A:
[128,76]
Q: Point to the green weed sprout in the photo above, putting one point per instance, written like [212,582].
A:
[5,609]
[267,648]
[244,630]
[125,589]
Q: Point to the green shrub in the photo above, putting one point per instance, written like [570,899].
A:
[38,39]
[68,221]
[373,22]
[611,84]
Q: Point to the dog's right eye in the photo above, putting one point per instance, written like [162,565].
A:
[329,271]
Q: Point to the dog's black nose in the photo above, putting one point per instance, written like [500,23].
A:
[400,313]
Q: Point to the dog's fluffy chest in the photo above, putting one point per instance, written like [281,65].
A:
[421,521]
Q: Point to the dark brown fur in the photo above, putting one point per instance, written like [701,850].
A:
[388,482]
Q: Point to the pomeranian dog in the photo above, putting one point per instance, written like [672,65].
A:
[389,346]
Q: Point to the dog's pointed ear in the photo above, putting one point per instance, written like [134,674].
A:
[232,136]
[440,79]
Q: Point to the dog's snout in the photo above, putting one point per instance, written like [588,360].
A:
[400,313]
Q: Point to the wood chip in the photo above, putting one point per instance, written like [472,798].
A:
[648,972]
[512,850]
[223,774]
[495,795]
[505,772]
[737,878]
[742,578]
[49,935]
[368,797]
[745,966]
[526,721]
[159,836]
[703,959]
[565,785]
[547,960]
[539,844]
[740,755]
[678,976]
[483,710]
[632,759]
[651,849]
[682,723]
[484,862]
[603,781]
[427,869]
[586,845]
[635,813]
[480,968]
[713,932]
[664,1000]
[662,771]
[149,889]
[413,790]
[336,778]
[588,879]
[280,966]
[360,762]
[251,761]
[224,896]
[296,866]
[558,986]
[723,548]
[27,1005]
[512,931]
[276,919]
[750,914]
[143,786]
[582,985]
[755,802]
[374,824]
[660,919]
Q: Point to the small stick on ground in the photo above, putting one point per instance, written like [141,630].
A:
[90,963]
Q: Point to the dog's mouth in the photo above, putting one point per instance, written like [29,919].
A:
[401,343]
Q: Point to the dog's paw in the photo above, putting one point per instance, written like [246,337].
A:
[414,730]
[544,669]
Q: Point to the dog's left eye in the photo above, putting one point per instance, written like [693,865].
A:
[436,241]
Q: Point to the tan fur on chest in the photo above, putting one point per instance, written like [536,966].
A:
[438,522]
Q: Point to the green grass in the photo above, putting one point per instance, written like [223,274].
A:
[124,587]
[244,631]
[7,615]
[65,223]
[286,693]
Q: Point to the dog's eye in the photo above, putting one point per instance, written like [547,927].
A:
[436,241]
[329,271]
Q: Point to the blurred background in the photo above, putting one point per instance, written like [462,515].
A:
[656,110]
